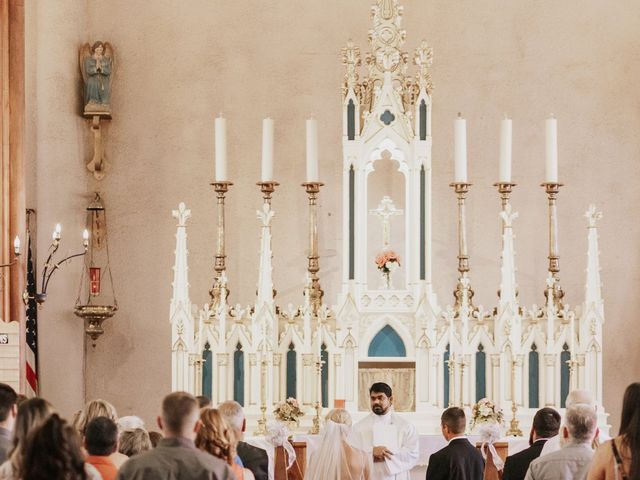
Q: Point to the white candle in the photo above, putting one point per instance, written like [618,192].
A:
[221,149]
[85,237]
[505,150]
[267,150]
[460,135]
[16,245]
[57,233]
[312,150]
[551,150]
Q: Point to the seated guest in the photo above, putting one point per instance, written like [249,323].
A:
[573,459]
[31,415]
[253,458]
[203,401]
[176,455]
[8,412]
[546,424]
[155,438]
[133,442]
[100,441]
[459,460]
[54,452]
[130,422]
[99,408]
[620,457]
[334,456]
[575,397]
[217,438]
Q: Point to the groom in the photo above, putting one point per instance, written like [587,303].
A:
[391,440]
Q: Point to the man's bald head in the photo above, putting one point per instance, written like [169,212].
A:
[180,414]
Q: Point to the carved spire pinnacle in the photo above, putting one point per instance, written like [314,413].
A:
[593,286]
[181,268]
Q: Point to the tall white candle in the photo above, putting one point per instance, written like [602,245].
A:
[267,150]
[312,150]
[221,149]
[504,174]
[551,150]
[460,135]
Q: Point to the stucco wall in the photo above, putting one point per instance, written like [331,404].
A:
[180,63]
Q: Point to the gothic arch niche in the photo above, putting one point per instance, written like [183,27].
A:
[386,194]
[387,343]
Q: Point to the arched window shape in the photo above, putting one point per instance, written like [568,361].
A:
[291,371]
[481,373]
[445,363]
[238,374]
[423,120]
[565,357]
[207,371]
[387,343]
[351,120]
[324,378]
[534,377]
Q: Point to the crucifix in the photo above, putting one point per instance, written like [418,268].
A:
[385,211]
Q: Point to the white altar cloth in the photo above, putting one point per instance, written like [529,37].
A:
[429,444]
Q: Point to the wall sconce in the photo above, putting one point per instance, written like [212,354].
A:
[16,253]
[96,300]
[49,267]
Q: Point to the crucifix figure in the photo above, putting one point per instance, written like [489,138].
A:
[385,211]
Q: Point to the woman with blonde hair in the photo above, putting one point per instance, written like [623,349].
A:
[99,408]
[134,441]
[335,457]
[32,414]
[217,438]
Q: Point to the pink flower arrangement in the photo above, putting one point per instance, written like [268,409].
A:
[386,259]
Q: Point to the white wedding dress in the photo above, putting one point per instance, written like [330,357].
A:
[336,459]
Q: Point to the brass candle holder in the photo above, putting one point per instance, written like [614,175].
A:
[262,421]
[317,419]
[505,189]
[552,189]
[267,189]
[221,188]
[514,427]
[463,292]
[463,364]
[451,363]
[315,291]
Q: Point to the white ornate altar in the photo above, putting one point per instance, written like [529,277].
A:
[440,355]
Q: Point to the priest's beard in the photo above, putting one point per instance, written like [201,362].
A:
[379,409]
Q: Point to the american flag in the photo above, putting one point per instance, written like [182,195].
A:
[31,326]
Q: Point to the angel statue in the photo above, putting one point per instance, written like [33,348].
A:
[96,64]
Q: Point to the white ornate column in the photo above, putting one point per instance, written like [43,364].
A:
[496,380]
[309,379]
[550,379]
[220,379]
[434,390]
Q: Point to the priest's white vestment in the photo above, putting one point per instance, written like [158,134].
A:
[405,451]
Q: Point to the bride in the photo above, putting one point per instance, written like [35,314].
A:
[335,458]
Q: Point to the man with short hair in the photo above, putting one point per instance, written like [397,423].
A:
[459,460]
[573,459]
[388,438]
[176,455]
[546,424]
[253,458]
[8,412]
[575,397]
[100,441]
[203,401]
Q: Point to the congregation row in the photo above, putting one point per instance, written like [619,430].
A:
[198,442]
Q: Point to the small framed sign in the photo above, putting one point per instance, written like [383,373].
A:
[4,338]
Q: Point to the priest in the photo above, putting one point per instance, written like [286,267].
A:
[391,441]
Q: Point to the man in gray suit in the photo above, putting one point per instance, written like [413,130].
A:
[573,459]
[8,412]
[176,456]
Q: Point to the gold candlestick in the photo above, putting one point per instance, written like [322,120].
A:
[267,189]
[462,366]
[514,428]
[221,189]
[451,363]
[262,421]
[504,189]
[463,292]
[317,420]
[552,189]
[315,291]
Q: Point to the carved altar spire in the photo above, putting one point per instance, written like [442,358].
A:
[593,286]
[386,39]
[265,278]
[508,287]
[180,268]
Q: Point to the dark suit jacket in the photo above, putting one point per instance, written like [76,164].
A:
[516,466]
[6,443]
[254,459]
[457,461]
[175,459]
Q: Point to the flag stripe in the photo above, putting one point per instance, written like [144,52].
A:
[31,337]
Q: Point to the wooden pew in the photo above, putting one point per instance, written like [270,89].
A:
[297,470]
[490,470]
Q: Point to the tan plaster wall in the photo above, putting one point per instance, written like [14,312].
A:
[179,63]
